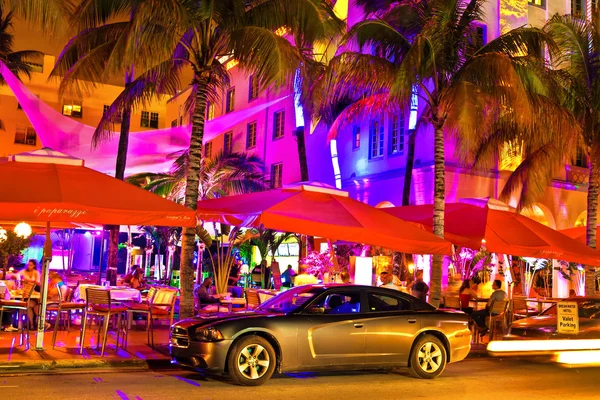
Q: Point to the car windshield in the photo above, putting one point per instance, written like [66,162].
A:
[290,300]
[587,309]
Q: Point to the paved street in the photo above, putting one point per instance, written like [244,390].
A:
[481,379]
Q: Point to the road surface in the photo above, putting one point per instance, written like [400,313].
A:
[478,379]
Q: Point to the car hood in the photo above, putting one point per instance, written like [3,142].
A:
[218,317]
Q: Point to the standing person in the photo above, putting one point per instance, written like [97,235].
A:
[287,277]
[480,316]
[387,280]
[234,277]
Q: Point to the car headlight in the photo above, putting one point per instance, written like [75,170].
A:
[207,334]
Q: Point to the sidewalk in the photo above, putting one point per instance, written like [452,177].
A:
[138,355]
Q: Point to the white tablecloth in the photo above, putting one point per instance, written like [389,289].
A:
[119,294]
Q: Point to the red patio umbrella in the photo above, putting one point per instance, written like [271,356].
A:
[578,233]
[501,230]
[323,212]
[48,186]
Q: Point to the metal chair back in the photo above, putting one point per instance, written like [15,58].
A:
[252,298]
[28,289]
[97,297]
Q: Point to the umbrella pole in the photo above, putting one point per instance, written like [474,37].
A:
[39,342]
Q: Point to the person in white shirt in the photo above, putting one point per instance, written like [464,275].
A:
[387,280]
[480,316]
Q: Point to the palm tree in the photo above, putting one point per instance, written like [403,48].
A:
[18,62]
[469,88]
[200,35]
[223,175]
[92,58]
[576,68]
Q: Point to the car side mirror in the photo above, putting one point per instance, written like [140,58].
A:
[315,310]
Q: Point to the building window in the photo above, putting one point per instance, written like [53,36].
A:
[252,88]
[482,33]
[105,110]
[227,142]
[276,175]
[539,3]
[577,8]
[208,150]
[149,120]
[25,135]
[230,100]
[251,135]
[174,123]
[356,137]
[278,124]
[580,158]
[72,108]
[210,111]
[376,139]
[397,134]
[181,120]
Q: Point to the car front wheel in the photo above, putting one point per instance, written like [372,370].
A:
[252,361]
[428,357]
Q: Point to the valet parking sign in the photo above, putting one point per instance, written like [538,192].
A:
[567,317]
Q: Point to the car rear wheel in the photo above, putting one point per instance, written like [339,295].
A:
[428,357]
[251,361]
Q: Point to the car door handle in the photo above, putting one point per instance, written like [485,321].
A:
[412,320]
[359,325]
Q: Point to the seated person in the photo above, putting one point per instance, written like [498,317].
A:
[466,294]
[137,280]
[203,296]
[480,316]
[127,278]
[232,282]
[57,289]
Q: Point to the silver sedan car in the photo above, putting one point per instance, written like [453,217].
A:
[324,327]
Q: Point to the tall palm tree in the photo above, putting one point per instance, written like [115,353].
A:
[575,70]
[18,62]
[468,87]
[223,175]
[200,35]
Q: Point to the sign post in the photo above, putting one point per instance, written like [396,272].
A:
[567,317]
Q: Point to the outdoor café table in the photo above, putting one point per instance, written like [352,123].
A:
[116,293]
[476,303]
[541,301]
[230,302]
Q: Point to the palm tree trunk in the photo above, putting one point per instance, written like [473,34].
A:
[191,196]
[439,194]
[592,222]
[300,138]
[113,242]
[410,163]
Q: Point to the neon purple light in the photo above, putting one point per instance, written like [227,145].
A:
[148,150]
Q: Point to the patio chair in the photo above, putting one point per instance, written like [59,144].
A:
[99,304]
[160,304]
[64,306]
[252,299]
[452,302]
[19,306]
[500,308]
[520,309]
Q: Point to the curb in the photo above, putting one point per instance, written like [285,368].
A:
[17,367]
